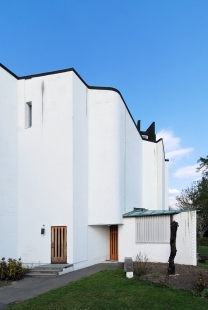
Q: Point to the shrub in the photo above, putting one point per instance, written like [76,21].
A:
[204,293]
[141,265]
[201,290]
[200,285]
[11,269]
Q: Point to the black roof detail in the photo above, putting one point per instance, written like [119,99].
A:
[150,131]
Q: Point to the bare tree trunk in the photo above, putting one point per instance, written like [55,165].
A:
[173,227]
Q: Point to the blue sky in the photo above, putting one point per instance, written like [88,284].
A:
[154,51]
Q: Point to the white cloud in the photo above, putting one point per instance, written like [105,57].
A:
[172,202]
[173,191]
[172,145]
[187,172]
[178,153]
[170,141]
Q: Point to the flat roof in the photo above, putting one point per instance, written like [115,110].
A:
[137,212]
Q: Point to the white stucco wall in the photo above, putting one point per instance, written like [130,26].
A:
[82,162]
[106,146]
[80,171]
[45,192]
[133,166]
[186,238]
[154,168]
[166,185]
[161,183]
[53,172]
[128,247]
[115,159]
[98,242]
[160,175]
[8,165]
[149,172]
[185,241]
[98,247]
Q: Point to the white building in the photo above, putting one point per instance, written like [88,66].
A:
[73,164]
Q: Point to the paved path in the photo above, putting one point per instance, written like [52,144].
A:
[31,287]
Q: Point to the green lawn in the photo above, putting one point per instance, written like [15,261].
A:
[202,241]
[110,289]
[203,250]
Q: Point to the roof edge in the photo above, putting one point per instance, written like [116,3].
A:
[88,86]
[9,71]
[137,212]
[68,70]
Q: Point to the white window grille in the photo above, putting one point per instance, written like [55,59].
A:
[153,229]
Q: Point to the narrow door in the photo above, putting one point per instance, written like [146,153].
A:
[58,245]
[114,242]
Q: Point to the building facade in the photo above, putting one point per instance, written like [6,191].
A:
[72,163]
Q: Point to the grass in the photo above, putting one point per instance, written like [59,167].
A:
[203,265]
[203,250]
[110,289]
[202,241]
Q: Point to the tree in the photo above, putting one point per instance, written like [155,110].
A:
[203,166]
[188,198]
[196,197]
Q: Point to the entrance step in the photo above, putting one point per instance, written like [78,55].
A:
[50,270]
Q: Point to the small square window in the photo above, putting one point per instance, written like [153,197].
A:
[28,114]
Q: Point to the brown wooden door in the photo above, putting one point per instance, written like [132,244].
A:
[58,245]
[114,242]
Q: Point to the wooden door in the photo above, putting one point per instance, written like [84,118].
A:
[114,242]
[58,245]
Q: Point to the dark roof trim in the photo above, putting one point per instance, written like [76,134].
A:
[10,72]
[138,212]
[142,213]
[26,77]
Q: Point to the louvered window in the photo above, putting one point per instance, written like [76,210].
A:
[153,229]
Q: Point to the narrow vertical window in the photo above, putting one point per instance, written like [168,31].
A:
[28,114]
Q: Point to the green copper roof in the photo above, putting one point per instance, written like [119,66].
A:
[143,212]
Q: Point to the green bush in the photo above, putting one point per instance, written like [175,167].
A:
[11,269]
[202,241]
[204,293]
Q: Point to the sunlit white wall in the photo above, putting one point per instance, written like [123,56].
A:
[8,165]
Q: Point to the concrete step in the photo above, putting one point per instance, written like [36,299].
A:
[50,270]
[41,275]
[45,271]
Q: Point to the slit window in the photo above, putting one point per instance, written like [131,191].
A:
[28,114]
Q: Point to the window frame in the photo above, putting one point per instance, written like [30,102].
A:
[152,229]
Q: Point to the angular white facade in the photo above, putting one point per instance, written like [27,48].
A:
[71,156]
